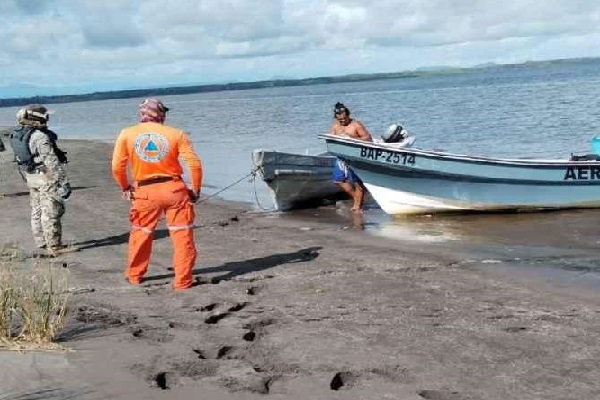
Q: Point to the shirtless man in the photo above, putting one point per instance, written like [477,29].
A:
[343,176]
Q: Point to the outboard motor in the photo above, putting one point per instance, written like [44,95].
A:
[395,134]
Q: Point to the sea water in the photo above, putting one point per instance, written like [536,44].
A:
[524,111]
[541,111]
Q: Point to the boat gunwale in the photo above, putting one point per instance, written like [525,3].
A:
[460,157]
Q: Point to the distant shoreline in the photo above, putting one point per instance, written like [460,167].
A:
[179,90]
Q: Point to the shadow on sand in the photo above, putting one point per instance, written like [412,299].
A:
[116,240]
[47,394]
[234,269]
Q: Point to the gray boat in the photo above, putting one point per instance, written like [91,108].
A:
[414,181]
[296,180]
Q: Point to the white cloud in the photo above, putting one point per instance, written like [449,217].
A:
[73,45]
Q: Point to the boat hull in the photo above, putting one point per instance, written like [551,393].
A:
[412,181]
[296,180]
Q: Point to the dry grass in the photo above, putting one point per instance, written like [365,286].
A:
[10,254]
[7,302]
[8,257]
[42,305]
[33,302]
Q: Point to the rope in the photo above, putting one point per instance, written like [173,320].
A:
[253,173]
[256,200]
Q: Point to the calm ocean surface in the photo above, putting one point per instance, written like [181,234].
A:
[524,111]
[541,111]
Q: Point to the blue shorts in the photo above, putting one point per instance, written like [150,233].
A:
[342,173]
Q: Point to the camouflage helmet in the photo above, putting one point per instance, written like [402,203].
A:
[35,115]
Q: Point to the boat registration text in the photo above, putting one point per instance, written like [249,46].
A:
[389,157]
[582,173]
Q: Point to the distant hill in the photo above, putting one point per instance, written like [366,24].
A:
[164,91]
[177,90]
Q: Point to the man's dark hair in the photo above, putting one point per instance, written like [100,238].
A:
[340,108]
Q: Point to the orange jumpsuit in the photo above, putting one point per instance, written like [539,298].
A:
[153,151]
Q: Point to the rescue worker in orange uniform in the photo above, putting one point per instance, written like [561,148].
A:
[152,150]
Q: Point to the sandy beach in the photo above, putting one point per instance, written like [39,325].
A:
[297,308]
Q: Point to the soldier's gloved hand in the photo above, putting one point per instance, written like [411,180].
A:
[64,191]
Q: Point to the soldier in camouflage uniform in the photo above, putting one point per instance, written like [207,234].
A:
[46,178]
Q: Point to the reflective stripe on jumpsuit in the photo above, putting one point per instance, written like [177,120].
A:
[148,205]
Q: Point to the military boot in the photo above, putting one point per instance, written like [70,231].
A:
[55,251]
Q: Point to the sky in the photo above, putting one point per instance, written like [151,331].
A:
[50,47]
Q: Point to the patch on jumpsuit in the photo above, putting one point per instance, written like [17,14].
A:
[151,147]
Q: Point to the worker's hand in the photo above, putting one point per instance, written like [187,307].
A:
[127,194]
[194,196]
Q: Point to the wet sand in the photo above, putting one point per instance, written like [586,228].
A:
[311,306]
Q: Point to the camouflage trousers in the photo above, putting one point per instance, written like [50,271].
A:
[46,210]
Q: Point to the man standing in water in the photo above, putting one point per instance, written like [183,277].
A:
[152,150]
[343,176]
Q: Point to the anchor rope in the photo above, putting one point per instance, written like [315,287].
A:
[256,199]
[251,173]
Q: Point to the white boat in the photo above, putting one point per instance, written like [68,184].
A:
[415,181]
[296,180]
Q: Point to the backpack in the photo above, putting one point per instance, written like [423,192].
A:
[19,141]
